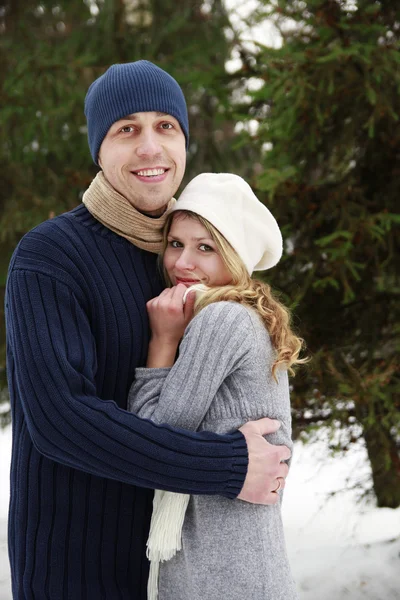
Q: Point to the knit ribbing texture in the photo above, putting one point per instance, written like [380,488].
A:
[221,379]
[76,329]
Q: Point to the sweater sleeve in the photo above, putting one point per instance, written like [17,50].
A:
[216,342]
[52,360]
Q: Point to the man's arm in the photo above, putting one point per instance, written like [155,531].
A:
[51,358]
[51,374]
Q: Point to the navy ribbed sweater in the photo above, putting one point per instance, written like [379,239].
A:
[76,329]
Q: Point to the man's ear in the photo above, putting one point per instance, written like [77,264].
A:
[99,162]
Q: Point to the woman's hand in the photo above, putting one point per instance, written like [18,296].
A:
[168,318]
[168,315]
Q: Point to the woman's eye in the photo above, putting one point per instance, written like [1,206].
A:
[174,244]
[206,248]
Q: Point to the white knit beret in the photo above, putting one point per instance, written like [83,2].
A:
[229,203]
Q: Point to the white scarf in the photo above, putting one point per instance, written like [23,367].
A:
[165,537]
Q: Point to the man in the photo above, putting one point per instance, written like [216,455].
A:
[83,468]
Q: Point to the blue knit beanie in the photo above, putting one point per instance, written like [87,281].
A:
[129,88]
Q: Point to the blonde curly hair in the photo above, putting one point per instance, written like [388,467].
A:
[247,291]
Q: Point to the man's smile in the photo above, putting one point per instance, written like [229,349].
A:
[151,175]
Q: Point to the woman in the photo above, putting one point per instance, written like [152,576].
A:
[232,367]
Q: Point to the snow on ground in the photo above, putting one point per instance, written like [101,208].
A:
[339,549]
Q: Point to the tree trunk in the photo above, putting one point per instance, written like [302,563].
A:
[385,463]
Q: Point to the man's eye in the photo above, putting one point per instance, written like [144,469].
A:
[166,126]
[127,129]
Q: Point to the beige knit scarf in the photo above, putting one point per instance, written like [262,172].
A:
[115,212]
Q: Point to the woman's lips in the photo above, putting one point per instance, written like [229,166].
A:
[187,282]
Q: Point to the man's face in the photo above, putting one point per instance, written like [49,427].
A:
[143,156]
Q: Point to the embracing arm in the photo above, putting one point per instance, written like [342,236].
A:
[52,377]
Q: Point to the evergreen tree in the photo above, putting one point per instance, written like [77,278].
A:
[328,109]
[325,158]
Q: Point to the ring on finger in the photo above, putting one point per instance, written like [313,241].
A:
[280,480]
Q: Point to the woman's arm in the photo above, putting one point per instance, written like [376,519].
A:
[217,341]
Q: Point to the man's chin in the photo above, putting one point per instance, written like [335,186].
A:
[152,205]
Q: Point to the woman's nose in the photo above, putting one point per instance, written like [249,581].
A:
[185,260]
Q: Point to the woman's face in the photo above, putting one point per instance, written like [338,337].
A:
[191,255]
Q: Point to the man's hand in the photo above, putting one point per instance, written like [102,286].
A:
[266,472]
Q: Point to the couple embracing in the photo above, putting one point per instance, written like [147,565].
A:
[141,355]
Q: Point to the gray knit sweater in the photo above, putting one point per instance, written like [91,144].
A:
[222,378]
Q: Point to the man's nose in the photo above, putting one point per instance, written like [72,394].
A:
[149,144]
